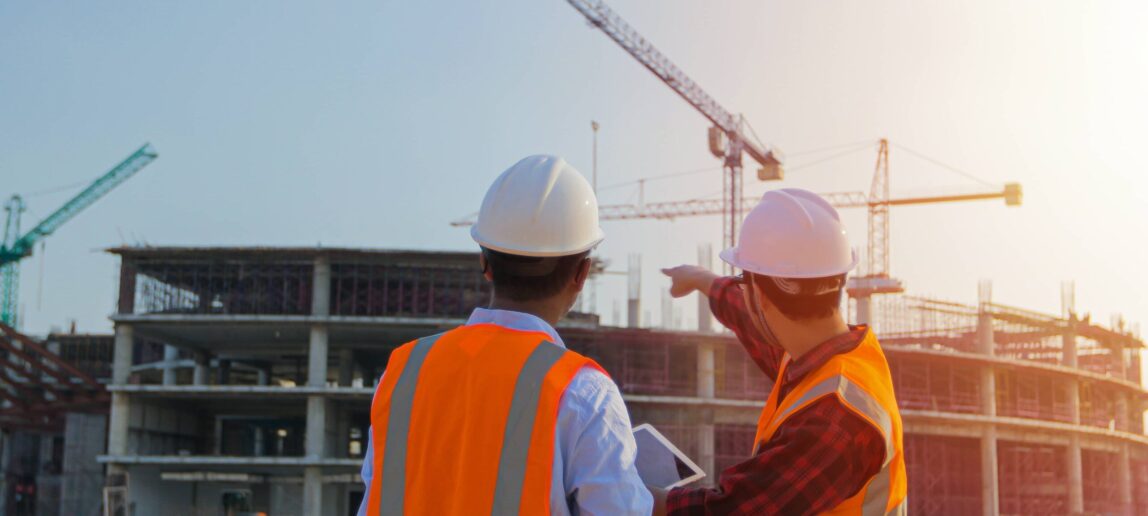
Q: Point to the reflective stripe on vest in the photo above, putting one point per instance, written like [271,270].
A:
[512,462]
[877,497]
[854,396]
[519,426]
[398,426]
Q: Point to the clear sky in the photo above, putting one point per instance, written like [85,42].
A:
[374,124]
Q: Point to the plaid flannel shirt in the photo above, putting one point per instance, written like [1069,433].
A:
[821,456]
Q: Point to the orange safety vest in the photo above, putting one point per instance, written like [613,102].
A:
[463,423]
[860,379]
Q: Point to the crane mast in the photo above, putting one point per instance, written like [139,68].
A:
[726,124]
[16,247]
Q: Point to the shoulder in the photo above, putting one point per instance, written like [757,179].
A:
[591,387]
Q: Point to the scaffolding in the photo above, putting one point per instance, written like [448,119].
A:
[1101,484]
[1032,478]
[929,384]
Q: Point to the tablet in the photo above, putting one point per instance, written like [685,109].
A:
[660,463]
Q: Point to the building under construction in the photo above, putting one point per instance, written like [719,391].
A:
[242,379]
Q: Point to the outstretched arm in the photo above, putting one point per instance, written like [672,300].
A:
[728,306]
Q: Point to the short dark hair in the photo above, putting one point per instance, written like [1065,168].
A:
[802,299]
[530,278]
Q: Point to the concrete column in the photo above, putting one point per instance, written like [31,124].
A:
[202,363]
[986,344]
[317,357]
[706,371]
[118,418]
[1124,476]
[1068,348]
[634,292]
[1074,464]
[120,411]
[263,376]
[1122,422]
[705,456]
[317,377]
[316,427]
[346,366]
[1074,401]
[122,354]
[321,287]
[1075,476]
[312,490]
[1068,342]
[864,309]
[990,493]
[170,355]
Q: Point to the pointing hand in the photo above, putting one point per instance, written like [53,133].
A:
[688,278]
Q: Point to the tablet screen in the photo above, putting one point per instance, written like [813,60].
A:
[660,463]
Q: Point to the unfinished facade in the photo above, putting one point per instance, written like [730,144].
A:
[255,392]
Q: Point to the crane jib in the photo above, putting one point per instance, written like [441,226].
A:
[113,178]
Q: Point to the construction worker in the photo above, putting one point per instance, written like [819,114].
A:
[497,416]
[829,437]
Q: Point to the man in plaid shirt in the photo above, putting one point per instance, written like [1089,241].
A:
[823,454]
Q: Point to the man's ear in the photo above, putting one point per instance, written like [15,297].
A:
[582,274]
[762,301]
[485,267]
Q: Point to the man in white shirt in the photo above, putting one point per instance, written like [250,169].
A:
[478,402]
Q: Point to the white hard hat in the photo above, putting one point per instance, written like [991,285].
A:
[541,206]
[792,233]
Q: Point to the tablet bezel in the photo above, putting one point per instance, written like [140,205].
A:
[698,472]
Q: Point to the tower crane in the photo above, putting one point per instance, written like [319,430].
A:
[16,247]
[876,279]
[727,138]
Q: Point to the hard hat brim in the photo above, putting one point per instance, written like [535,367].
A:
[538,253]
[731,257]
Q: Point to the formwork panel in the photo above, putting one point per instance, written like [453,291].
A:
[1032,478]
[944,475]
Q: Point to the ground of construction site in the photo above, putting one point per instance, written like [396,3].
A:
[221,220]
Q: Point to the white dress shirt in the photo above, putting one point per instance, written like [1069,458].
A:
[594,448]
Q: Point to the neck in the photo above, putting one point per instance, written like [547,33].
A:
[548,309]
[797,338]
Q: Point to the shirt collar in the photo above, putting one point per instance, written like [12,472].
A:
[515,321]
[821,353]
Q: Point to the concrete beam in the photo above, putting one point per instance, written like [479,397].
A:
[221,460]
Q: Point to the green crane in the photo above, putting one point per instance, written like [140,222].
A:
[16,247]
